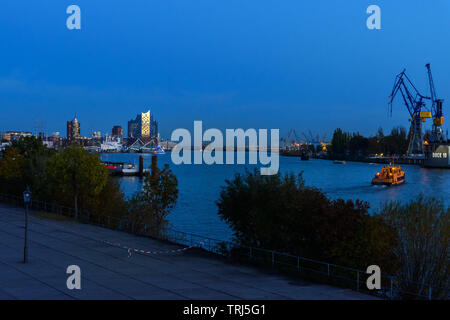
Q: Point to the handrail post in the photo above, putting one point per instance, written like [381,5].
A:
[298,263]
[429,292]
[250,253]
[273,259]
[392,288]
[357,280]
[328,265]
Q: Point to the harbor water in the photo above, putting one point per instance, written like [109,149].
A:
[200,184]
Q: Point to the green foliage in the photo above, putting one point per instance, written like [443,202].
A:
[396,142]
[350,236]
[152,205]
[74,172]
[357,145]
[340,141]
[25,161]
[12,171]
[110,201]
[423,230]
[281,213]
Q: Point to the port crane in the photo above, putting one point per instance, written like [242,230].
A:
[415,104]
[292,139]
[437,134]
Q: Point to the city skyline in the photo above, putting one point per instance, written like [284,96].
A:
[207,152]
[265,65]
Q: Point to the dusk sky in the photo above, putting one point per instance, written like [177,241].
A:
[311,65]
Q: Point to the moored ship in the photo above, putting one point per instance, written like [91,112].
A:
[437,155]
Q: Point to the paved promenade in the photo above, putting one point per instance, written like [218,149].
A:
[108,273]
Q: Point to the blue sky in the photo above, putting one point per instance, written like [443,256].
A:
[311,65]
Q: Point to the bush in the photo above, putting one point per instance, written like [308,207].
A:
[281,213]
[151,206]
[423,230]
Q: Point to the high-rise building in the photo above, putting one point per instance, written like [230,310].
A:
[153,127]
[132,129]
[145,124]
[73,130]
[117,132]
[140,127]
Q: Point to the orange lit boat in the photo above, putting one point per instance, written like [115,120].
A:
[390,175]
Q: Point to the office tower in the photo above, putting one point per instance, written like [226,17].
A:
[117,132]
[153,127]
[73,130]
[139,127]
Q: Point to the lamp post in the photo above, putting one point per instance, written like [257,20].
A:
[26,200]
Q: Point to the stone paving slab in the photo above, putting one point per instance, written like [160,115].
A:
[108,273]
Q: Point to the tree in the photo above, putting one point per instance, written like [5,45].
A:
[350,236]
[380,134]
[152,205]
[339,142]
[12,168]
[282,213]
[358,145]
[110,201]
[32,155]
[396,142]
[373,145]
[423,231]
[74,172]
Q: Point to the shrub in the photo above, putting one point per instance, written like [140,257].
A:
[281,213]
[423,230]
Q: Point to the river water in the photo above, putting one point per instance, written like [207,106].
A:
[199,186]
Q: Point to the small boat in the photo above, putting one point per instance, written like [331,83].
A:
[390,175]
[339,162]
[304,155]
[129,169]
[158,150]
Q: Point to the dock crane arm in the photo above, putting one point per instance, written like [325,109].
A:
[432,88]
[413,101]
[436,109]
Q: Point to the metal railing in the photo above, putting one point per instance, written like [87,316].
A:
[319,271]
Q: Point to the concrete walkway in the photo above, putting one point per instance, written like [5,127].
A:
[108,273]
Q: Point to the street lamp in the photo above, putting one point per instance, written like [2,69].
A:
[26,200]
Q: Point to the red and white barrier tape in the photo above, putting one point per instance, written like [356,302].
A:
[130,250]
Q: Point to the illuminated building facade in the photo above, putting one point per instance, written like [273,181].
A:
[143,126]
[73,130]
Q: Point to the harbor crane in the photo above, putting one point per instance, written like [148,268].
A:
[437,134]
[415,104]
[292,139]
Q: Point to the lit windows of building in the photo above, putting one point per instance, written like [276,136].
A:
[73,130]
[145,124]
[141,126]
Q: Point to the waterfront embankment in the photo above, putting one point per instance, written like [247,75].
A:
[108,273]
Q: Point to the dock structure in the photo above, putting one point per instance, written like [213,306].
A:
[130,169]
[126,168]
